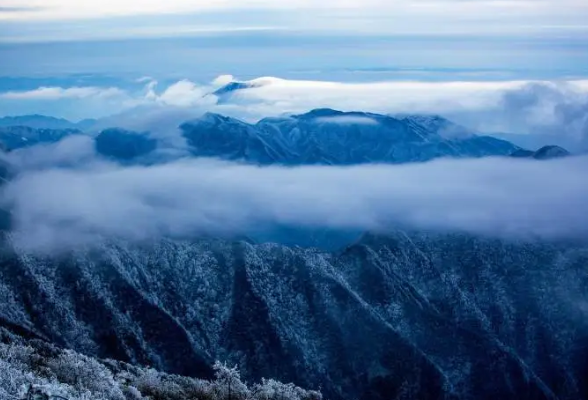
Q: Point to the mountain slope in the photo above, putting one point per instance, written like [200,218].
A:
[404,316]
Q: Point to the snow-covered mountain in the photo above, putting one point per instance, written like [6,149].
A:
[321,136]
[407,316]
[327,136]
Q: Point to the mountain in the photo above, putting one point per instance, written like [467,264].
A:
[321,136]
[45,122]
[404,316]
[226,93]
[214,135]
[17,137]
[544,153]
[123,145]
[333,137]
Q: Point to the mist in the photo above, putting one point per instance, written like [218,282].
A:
[58,208]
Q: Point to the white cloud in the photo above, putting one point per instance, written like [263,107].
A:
[93,8]
[76,150]
[347,120]
[395,96]
[499,197]
[222,80]
[56,93]
[185,94]
[507,106]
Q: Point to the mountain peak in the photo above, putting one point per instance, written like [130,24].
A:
[225,93]
[548,152]
[320,113]
[124,145]
[232,87]
[544,153]
[214,118]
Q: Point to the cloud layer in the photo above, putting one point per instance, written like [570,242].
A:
[57,93]
[556,110]
[78,204]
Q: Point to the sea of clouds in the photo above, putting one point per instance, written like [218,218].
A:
[64,195]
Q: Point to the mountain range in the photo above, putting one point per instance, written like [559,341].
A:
[402,315]
[321,136]
[332,137]
[45,122]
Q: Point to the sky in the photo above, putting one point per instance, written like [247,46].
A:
[93,59]
[398,17]
[350,39]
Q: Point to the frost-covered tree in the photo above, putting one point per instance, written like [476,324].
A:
[228,384]
[43,372]
[270,389]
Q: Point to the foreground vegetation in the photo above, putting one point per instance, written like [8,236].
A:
[39,371]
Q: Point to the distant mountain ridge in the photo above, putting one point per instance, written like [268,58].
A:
[37,121]
[318,137]
[225,93]
[331,137]
[17,137]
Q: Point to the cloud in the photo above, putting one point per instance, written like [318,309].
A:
[400,96]
[93,8]
[556,109]
[347,120]
[549,108]
[61,207]
[222,80]
[56,93]
[16,9]
[73,151]
[185,94]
